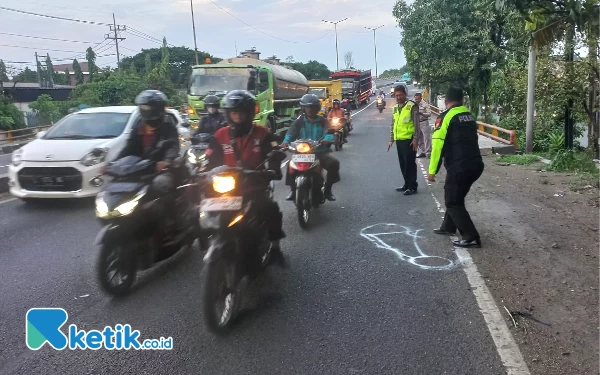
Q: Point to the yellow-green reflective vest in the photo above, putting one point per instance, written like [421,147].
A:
[403,123]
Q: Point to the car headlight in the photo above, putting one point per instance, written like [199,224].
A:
[223,184]
[95,157]
[16,157]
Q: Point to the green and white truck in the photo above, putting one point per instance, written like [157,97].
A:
[277,89]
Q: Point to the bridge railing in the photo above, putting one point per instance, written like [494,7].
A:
[12,136]
[509,137]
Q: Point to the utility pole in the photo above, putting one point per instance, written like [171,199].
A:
[194,29]
[375,44]
[114,27]
[337,55]
[38,69]
[530,98]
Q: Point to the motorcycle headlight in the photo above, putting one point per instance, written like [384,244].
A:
[95,157]
[335,121]
[124,209]
[16,157]
[127,207]
[223,184]
[303,148]
[191,157]
[101,206]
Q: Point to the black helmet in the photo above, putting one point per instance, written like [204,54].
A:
[337,101]
[152,105]
[310,100]
[400,88]
[212,100]
[240,101]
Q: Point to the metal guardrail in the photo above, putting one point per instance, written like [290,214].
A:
[12,136]
[496,130]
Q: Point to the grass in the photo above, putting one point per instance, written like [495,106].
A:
[575,162]
[524,159]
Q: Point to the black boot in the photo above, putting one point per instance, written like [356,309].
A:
[328,194]
[277,257]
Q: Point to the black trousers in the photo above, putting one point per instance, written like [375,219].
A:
[408,163]
[268,210]
[457,186]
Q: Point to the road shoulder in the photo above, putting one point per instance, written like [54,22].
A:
[540,258]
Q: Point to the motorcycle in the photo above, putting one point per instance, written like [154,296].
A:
[134,235]
[348,119]
[380,104]
[339,125]
[196,153]
[239,247]
[307,169]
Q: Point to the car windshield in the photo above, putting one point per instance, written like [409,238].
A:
[205,81]
[348,85]
[89,126]
[319,92]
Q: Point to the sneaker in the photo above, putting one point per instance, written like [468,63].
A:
[410,191]
[401,188]
[469,244]
[329,195]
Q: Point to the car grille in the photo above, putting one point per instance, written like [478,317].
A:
[50,179]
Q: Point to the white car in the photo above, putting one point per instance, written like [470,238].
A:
[66,161]
[396,84]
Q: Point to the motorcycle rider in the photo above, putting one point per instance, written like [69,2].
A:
[154,127]
[242,143]
[214,120]
[310,125]
[339,112]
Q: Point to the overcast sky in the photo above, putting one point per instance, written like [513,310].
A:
[284,27]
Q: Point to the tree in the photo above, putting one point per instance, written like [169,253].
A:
[67,79]
[348,60]
[3,72]
[132,68]
[312,70]
[26,76]
[45,109]
[90,56]
[181,60]
[77,72]
[290,59]
[118,88]
[394,72]
[10,116]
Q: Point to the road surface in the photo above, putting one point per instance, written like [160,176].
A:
[4,162]
[346,305]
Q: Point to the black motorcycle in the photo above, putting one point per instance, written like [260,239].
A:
[196,157]
[307,171]
[135,233]
[239,248]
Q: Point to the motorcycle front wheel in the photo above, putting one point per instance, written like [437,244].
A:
[302,208]
[116,268]
[220,298]
[380,109]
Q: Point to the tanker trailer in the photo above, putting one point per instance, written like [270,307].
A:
[277,89]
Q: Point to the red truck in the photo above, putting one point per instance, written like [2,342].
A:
[356,85]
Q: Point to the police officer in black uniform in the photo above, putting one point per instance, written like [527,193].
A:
[455,139]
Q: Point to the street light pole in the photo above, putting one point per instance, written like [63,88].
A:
[375,45]
[337,55]
[194,29]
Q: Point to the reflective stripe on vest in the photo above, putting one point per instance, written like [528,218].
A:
[403,123]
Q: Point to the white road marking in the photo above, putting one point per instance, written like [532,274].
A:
[507,348]
[368,105]
[8,200]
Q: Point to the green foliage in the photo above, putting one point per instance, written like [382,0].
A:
[312,70]
[179,69]
[117,89]
[26,76]
[394,72]
[45,109]
[571,161]
[3,72]
[10,116]
[78,73]
[556,142]
[90,56]
[525,159]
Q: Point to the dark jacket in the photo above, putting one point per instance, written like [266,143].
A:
[135,143]
[455,139]
[211,123]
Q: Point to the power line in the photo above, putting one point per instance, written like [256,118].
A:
[264,32]
[55,17]
[41,37]
[45,49]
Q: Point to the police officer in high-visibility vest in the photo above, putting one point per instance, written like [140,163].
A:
[455,139]
[406,117]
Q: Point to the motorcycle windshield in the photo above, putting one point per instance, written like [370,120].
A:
[130,165]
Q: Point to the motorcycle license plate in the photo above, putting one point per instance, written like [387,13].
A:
[303,158]
[221,204]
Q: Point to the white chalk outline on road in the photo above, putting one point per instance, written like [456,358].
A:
[507,348]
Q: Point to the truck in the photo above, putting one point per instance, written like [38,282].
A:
[356,85]
[278,89]
[327,91]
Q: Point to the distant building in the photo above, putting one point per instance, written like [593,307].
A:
[22,94]
[85,69]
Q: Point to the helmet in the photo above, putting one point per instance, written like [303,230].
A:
[336,101]
[152,104]
[310,100]
[212,100]
[240,101]
[400,88]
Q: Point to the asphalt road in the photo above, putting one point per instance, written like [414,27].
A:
[345,306]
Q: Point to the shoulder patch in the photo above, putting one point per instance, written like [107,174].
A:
[438,122]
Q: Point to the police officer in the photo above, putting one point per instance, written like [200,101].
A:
[455,139]
[406,117]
